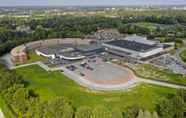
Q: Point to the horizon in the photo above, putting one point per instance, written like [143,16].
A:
[59,3]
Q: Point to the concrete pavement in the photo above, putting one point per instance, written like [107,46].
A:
[24,65]
[95,86]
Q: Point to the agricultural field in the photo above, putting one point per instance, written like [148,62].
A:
[49,85]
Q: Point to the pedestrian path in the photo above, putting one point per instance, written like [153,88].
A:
[164,84]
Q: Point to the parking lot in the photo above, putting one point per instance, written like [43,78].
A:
[171,63]
[97,71]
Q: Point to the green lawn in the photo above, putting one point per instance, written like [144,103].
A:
[150,26]
[183,55]
[33,57]
[151,72]
[51,84]
[5,109]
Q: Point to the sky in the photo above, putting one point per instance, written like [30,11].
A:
[88,2]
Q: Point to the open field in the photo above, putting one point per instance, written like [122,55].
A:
[51,84]
[151,72]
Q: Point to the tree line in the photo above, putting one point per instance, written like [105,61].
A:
[79,27]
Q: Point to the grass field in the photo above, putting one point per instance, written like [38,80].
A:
[33,57]
[151,72]
[51,84]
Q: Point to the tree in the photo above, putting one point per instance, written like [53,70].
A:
[140,114]
[8,78]
[179,106]
[20,101]
[131,112]
[40,33]
[83,112]
[58,108]
[165,109]
[182,94]
[116,113]
[101,112]
[147,114]
[155,114]
[68,111]
[37,109]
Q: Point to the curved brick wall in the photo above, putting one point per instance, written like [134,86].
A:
[19,53]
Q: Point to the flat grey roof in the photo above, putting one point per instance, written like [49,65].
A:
[70,54]
[132,45]
[54,49]
[87,48]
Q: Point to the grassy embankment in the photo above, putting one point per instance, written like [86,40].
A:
[151,72]
[52,84]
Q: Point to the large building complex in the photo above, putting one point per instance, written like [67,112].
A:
[133,49]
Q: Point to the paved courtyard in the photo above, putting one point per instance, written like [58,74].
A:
[100,72]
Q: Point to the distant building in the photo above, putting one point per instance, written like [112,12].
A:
[107,34]
[23,28]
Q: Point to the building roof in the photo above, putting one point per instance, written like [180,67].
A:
[131,45]
[88,48]
[54,49]
[70,54]
[140,39]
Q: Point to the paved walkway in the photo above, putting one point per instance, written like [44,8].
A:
[164,84]
[24,65]
[1,114]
